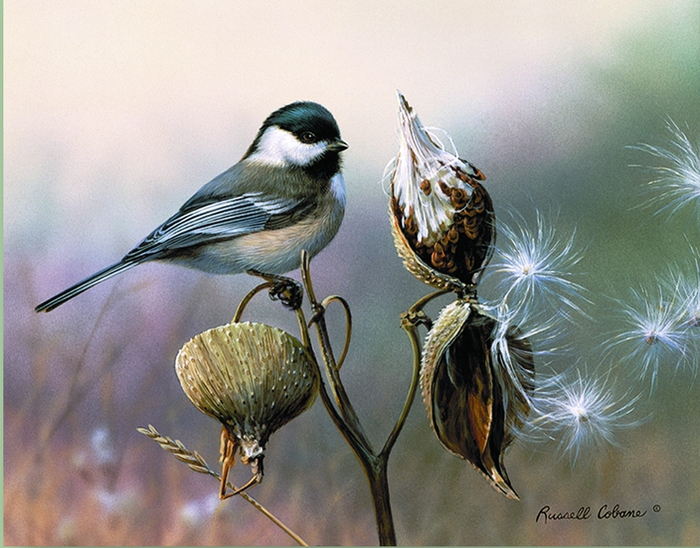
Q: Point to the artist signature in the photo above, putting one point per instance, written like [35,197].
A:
[546,514]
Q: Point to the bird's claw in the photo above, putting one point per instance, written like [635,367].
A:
[285,290]
[289,292]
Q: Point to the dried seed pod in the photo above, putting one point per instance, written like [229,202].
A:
[252,377]
[476,380]
[432,191]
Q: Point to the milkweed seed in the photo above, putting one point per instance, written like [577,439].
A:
[458,198]
[446,190]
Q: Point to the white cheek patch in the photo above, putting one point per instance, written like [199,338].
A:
[280,148]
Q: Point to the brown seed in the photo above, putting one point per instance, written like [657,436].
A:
[470,225]
[411,228]
[462,176]
[458,198]
[446,190]
[471,233]
[425,187]
[450,264]
[409,223]
[437,259]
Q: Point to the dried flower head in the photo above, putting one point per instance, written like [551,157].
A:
[476,377]
[442,217]
[252,377]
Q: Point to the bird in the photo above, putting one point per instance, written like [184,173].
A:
[285,195]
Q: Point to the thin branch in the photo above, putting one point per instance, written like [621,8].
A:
[346,409]
[348,325]
[412,333]
[244,302]
[345,418]
[409,322]
[197,463]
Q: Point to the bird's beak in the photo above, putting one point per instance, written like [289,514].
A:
[337,146]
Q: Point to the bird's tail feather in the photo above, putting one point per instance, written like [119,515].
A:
[86,284]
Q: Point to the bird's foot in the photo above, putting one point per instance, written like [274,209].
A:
[283,289]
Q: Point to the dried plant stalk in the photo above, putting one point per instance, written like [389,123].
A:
[197,463]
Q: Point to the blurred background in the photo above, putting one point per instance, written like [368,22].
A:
[116,112]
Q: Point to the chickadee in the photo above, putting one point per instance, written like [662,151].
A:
[286,194]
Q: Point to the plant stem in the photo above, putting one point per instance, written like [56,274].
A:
[345,407]
[197,463]
[344,417]
[379,488]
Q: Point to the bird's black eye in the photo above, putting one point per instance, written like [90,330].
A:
[308,137]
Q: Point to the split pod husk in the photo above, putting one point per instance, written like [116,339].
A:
[477,377]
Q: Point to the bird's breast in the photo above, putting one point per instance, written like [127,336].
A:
[277,251]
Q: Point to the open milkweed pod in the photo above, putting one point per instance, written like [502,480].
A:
[476,378]
[442,218]
[252,377]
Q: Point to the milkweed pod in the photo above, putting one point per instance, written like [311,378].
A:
[442,218]
[416,266]
[252,377]
[476,380]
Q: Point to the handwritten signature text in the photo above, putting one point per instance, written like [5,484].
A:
[546,514]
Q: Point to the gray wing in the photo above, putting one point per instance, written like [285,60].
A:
[213,221]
